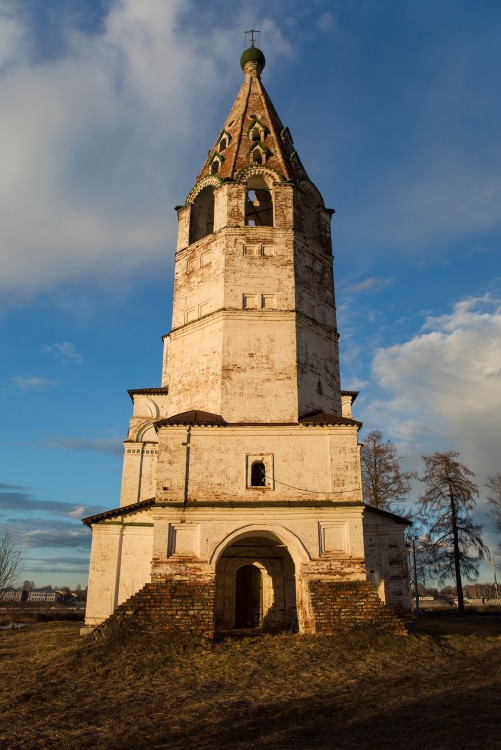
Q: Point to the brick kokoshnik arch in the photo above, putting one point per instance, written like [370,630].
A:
[211,181]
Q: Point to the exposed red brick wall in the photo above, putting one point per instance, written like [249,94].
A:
[340,606]
[187,606]
[173,605]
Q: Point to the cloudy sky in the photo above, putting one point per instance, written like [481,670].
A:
[107,110]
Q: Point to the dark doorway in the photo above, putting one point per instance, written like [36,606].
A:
[249,597]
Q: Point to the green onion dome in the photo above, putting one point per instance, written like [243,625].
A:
[253,54]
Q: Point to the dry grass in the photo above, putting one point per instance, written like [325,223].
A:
[438,688]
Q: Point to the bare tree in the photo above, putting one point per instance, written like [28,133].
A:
[384,484]
[453,543]
[494,499]
[11,563]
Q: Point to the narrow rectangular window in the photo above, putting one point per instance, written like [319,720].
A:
[258,474]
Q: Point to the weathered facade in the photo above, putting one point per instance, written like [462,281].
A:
[241,502]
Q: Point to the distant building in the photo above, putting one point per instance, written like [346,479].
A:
[11,595]
[43,595]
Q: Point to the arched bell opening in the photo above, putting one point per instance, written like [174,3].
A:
[258,202]
[202,214]
[312,220]
[255,585]
[312,213]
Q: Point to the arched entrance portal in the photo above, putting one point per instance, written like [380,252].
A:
[255,585]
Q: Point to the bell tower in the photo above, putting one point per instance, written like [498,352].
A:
[241,502]
[254,335]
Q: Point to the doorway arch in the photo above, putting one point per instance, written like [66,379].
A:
[255,584]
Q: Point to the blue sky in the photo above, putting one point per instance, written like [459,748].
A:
[107,110]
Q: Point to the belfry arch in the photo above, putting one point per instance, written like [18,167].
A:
[312,207]
[202,214]
[259,201]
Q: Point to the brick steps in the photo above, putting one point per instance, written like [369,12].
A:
[187,606]
[173,605]
[342,606]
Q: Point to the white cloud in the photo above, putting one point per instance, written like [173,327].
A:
[479,250]
[25,383]
[444,386]
[326,22]
[65,352]
[103,140]
[69,536]
[13,44]
[112,446]
[78,512]
[371,283]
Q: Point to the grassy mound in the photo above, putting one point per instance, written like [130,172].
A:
[439,688]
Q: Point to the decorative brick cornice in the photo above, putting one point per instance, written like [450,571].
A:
[212,179]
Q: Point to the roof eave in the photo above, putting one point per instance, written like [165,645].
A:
[388,514]
[122,511]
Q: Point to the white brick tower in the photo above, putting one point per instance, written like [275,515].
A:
[241,500]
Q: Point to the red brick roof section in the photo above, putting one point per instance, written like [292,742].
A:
[321,417]
[254,105]
[192,417]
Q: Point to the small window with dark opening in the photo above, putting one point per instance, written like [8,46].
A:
[257,156]
[222,144]
[258,474]
[214,167]
[256,134]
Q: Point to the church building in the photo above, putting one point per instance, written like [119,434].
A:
[241,503]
